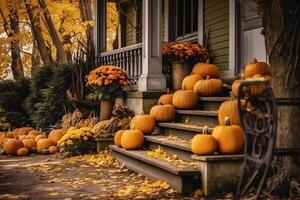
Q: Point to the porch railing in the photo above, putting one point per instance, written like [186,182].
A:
[128,58]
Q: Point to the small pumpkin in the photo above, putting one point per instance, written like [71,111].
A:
[12,146]
[44,144]
[163,113]
[53,149]
[24,130]
[236,85]
[185,99]
[29,144]
[117,137]
[22,137]
[55,135]
[255,90]
[208,87]
[204,144]
[132,139]
[15,132]
[30,137]
[257,68]
[189,81]
[35,133]
[229,109]
[22,152]
[38,137]
[206,69]
[10,134]
[144,123]
[165,99]
[230,138]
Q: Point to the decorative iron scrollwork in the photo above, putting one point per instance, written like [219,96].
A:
[258,115]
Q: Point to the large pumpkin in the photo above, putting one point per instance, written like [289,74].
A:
[259,89]
[189,81]
[22,152]
[29,144]
[165,99]
[208,87]
[206,69]
[12,146]
[230,138]
[257,68]
[144,123]
[55,135]
[132,139]
[204,144]
[185,99]
[44,144]
[229,109]
[117,137]
[163,113]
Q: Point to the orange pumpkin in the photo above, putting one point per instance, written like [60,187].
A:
[117,137]
[185,99]
[257,68]
[229,109]
[259,89]
[2,137]
[35,133]
[163,113]
[30,137]
[38,137]
[236,85]
[230,138]
[22,152]
[22,137]
[208,87]
[12,146]
[204,144]
[144,123]
[189,81]
[165,99]
[24,130]
[44,144]
[55,135]
[206,69]
[29,144]
[132,139]
[53,149]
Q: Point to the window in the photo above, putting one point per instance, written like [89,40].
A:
[183,18]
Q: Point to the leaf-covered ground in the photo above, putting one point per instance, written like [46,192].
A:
[83,177]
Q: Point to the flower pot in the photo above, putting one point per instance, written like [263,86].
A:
[179,71]
[106,108]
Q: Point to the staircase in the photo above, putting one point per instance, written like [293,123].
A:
[209,173]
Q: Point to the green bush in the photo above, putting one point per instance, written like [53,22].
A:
[47,100]
[13,95]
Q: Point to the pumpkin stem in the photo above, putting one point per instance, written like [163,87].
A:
[255,60]
[207,61]
[207,77]
[227,121]
[205,130]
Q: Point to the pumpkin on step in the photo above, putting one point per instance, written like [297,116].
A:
[255,90]
[185,99]
[189,81]
[229,109]
[230,138]
[165,99]
[208,87]
[163,113]
[257,68]
[144,123]
[117,137]
[55,135]
[132,139]
[204,144]
[236,85]
[12,146]
[22,152]
[44,144]
[206,69]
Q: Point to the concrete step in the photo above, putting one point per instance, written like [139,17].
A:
[211,103]
[182,130]
[198,117]
[173,145]
[185,180]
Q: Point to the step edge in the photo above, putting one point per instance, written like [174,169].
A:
[197,112]
[193,128]
[161,142]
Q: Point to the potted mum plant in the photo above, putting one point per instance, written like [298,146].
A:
[106,83]
[181,56]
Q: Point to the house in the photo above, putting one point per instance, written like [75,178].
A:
[230,29]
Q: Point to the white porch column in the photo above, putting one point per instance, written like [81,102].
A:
[152,78]
[100,26]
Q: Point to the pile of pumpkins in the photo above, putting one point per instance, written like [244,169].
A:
[26,140]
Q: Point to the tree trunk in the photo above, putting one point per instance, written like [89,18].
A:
[13,32]
[281,23]
[86,15]
[37,32]
[60,52]
[35,58]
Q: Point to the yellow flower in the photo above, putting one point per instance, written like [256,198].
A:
[69,142]
[85,138]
